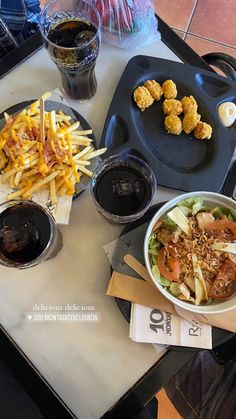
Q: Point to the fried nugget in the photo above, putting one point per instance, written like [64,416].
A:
[203,131]
[143,98]
[172,106]
[173,124]
[154,89]
[189,104]
[190,121]
[169,89]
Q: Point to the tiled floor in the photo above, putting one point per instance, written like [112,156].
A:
[206,25]
[166,409]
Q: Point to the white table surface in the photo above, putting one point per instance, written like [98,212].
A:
[90,366]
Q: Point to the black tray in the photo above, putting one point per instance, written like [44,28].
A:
[179,162]
[49,105]
[219,336]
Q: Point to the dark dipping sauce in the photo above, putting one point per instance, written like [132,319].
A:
[122,190]
[24,233]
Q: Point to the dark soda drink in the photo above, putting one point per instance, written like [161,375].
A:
[26,232]
[122,190]
[74,45]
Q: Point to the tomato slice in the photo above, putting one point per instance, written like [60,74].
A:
[222,229]
[224,284]
[168,263]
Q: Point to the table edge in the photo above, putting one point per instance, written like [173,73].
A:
[142,391]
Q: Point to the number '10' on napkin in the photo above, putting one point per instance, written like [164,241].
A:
[156,326]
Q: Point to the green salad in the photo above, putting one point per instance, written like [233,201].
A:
[192,251]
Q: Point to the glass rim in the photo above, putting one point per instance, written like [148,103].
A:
[41,26]
[52,223]
[131,217]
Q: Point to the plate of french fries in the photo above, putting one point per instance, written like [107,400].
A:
[45,145]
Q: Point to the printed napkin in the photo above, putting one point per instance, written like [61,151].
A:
[160,322]
[157,326]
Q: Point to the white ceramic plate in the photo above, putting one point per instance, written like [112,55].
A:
[212,199]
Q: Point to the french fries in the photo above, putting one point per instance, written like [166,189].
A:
[44,150]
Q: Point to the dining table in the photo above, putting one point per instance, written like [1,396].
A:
[79,369]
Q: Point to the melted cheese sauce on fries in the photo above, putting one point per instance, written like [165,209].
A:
[53,155]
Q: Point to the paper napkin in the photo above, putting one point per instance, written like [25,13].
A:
[152,309]
[157,326]
[60,211]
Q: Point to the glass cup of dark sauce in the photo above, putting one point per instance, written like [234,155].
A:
[71,33]
[28,234]
[122,188]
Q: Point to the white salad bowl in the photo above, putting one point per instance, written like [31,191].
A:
[211,199]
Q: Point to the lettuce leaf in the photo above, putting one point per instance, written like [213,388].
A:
[194,203]
[164,282]
[153,259]
[153,245]
[218,212]
[185,210]
[168,223]
[174,288]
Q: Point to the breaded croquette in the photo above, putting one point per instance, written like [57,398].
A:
[172,106]
[143,98]
[189,104]
[154,89]
[173,124]
[145,95]
[203,131]
[190,121]
[169,89]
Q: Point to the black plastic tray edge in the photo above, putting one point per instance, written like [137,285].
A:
[180,47]
[20,54]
